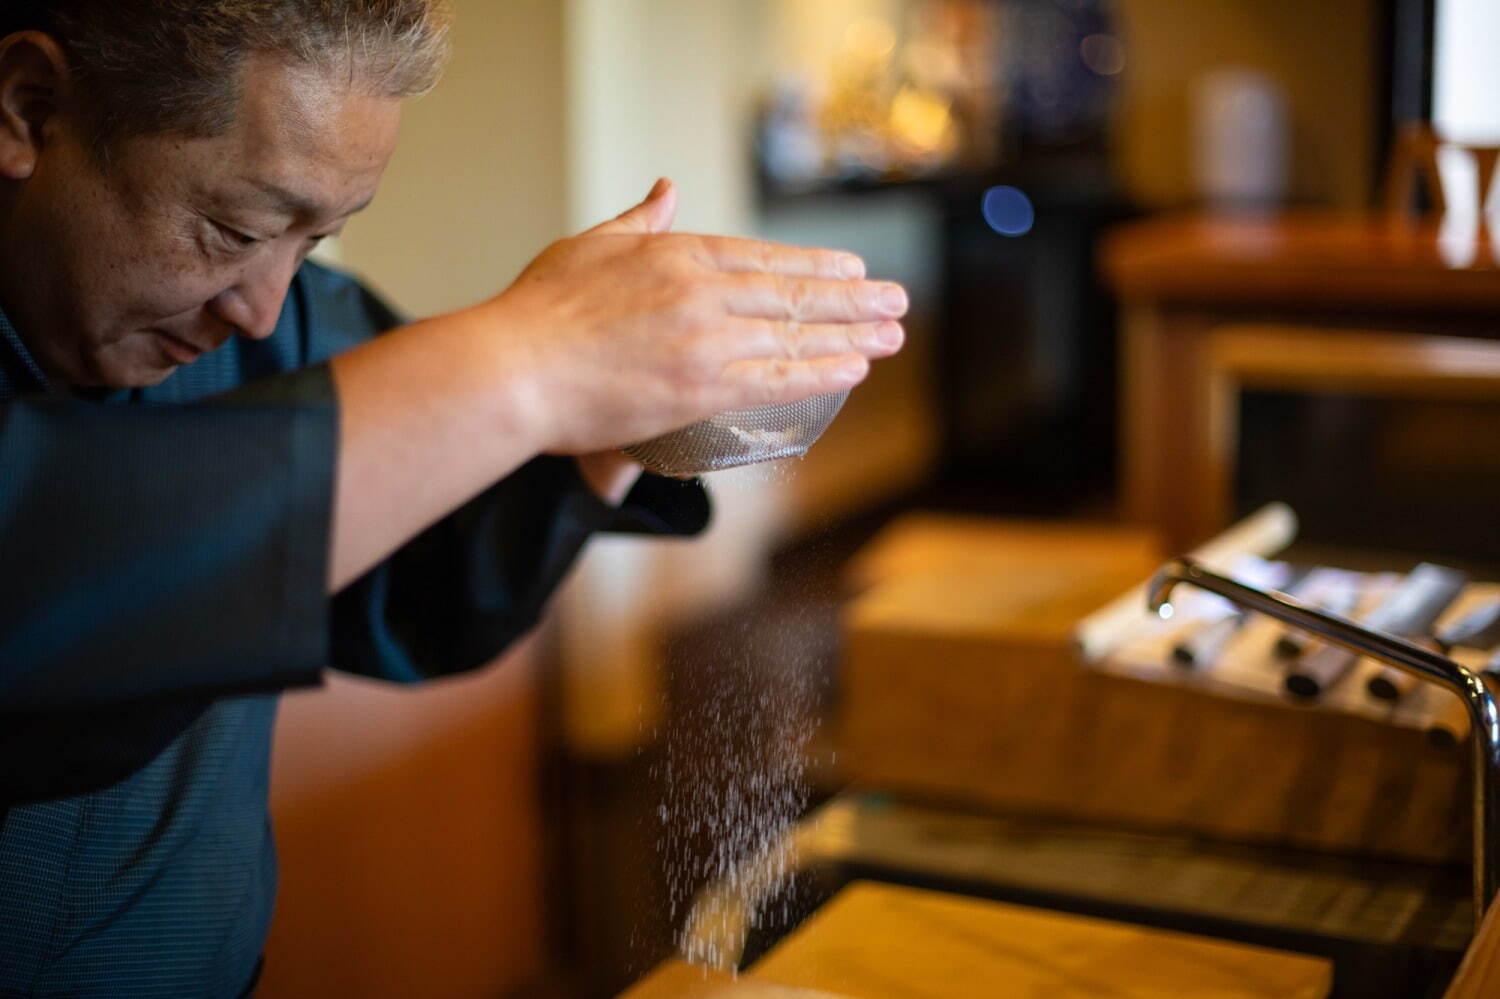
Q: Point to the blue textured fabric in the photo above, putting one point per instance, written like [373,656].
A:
[160,885]
[165,555]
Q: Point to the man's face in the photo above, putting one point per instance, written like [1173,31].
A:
[117,275]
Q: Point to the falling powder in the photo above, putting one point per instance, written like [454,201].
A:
[733,782]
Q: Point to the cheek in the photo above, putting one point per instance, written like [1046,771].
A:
[134,264]
[164,292]
[154,280]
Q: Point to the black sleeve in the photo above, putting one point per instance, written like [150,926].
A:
[454,597]
[148,554]
[150,563]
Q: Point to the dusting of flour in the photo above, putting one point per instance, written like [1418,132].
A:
[733,783]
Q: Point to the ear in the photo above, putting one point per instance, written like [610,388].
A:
[34,81]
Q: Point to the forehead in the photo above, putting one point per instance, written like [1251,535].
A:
[303,143]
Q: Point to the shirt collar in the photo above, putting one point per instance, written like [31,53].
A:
[19,371]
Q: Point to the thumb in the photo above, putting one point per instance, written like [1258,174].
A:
[655,214]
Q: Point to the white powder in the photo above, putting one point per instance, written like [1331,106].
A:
[766,439]
[733,782]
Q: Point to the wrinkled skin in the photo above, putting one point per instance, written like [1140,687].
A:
[121,272]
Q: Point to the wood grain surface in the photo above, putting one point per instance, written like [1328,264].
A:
[878,941]
[961,685]
[1309,259]
[680,980]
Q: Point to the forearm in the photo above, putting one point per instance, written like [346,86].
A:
[430,415]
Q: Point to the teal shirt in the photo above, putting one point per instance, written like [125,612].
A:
[165,556]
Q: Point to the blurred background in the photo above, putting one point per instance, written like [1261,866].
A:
[1080,195]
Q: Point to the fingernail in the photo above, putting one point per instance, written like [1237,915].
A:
[893,299]
[852,371]
[851,266]
[889,334]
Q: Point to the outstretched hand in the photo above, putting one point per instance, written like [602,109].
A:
[627,331]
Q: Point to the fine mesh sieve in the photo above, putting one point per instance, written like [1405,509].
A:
[740,437]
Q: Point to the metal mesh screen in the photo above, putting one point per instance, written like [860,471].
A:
[740,437]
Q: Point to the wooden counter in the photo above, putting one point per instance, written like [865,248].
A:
[877,941]
[1307,261]
[1181,279]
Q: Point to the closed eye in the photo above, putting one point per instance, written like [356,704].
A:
[234,237]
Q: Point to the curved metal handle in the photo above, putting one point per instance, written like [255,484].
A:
[1403,655]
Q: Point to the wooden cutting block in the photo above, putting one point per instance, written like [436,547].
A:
[884,941]
[959,683]
[680,980]
[934,546]
[879,941]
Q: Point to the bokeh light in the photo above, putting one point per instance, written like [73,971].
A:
[1103,54]
[1008,211]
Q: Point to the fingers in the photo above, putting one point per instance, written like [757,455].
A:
[766,383]
[762,339]
[655,214]
[785,362]
[740,256]
[813,300]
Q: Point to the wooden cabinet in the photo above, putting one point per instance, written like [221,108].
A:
[1334,278]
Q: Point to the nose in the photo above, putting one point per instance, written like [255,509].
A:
[253,303]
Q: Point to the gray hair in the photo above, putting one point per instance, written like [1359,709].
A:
[159,66]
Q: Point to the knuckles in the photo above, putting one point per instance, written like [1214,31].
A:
[776,379]
[791,341]
[796,297]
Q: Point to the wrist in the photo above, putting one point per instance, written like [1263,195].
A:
[513,373]
[610,474]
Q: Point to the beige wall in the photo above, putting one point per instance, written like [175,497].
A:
[1322,52]
[660,88]
[479,183]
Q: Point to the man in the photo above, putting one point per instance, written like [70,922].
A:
[215,481]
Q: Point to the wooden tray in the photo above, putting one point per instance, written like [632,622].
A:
[876,941]
[960,681]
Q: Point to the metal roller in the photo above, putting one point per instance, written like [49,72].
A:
[1409,658]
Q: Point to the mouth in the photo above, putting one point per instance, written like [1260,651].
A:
[178,351]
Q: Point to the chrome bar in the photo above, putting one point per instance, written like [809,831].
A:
[1403,655]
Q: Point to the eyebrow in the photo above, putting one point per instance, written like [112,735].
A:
[297,206]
